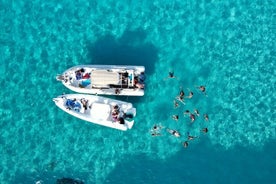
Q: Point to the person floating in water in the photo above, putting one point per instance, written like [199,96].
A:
[170,76]
[196,112]
[181,96]
[175,117]
[192,117]
[185,144]
[186,112]
[173,132]
[202,89]
[155,130]
[176,104]
[156,127]
[206,117]
[191,94]
[190,137]
[204,130]
[154,134]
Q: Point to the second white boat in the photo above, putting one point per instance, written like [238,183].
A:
[99,110]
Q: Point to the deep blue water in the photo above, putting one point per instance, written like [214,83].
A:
[228,46]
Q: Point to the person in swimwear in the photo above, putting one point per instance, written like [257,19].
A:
[196,112]
[206,117]
[176,104]
[202,89]
[192,117]
[185,144]
[171,76]
[204,130]
[175,117]
[174,132]
[191,94]
[190,137]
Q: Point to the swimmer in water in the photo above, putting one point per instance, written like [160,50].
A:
[206,117]
[196,112]
[185,144]
[156,127]
[192,117]
[154,134]
[204,130]
[202,89]
[176,104]
[174,132]
[170,76]
[186,112]
[191,137]
[191,94]
[175,117]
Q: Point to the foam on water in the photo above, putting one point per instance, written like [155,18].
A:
[227,46]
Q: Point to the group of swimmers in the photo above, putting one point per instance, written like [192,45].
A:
[156,129]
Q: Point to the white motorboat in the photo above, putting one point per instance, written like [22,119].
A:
[105,79]
[99,110]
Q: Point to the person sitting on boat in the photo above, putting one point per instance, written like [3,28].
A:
[142,77]
[129,116]
[173,132]
[84,103]
[117,91]
[138,84]
[79,73]
[115,115]
[121,120]
[86,76]
[115,108]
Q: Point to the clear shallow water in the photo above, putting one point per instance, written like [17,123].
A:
[227,46]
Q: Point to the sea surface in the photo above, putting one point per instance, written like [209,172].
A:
[227,46]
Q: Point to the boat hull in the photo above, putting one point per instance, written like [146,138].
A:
[105,79]
[98,110]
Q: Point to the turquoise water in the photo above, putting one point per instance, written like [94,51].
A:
[229,46]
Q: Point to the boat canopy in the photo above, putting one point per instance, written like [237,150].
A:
[104,78]
[100,111]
